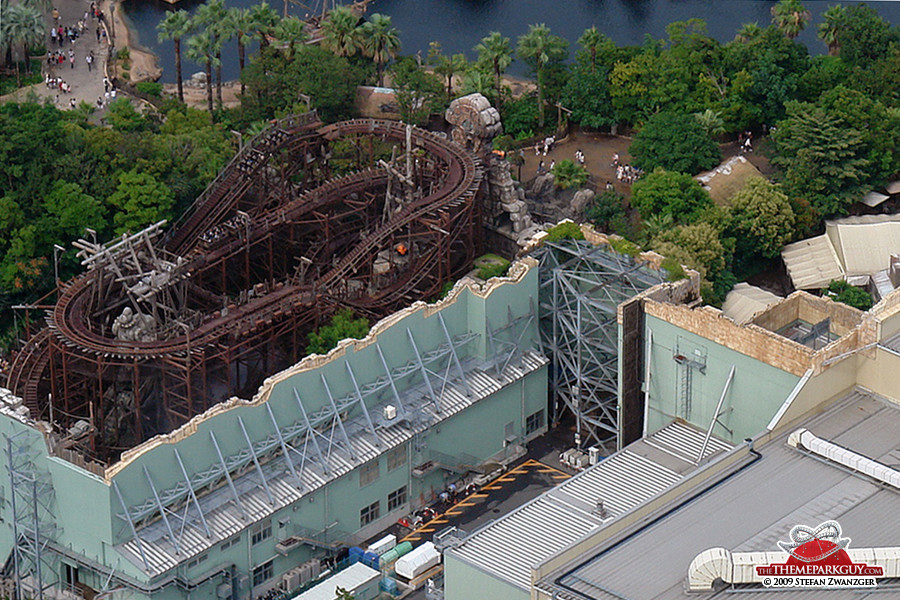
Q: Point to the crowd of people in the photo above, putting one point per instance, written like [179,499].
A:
[625,172]
[58,54]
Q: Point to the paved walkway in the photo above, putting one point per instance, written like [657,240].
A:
[86,85]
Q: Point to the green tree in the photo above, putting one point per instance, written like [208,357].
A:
[675,142]
[539,48]
[211,18]
[841,291]
[240,25]
[865,37]
[123,116]
[202,49]
[495,52]
[748,32]
[274,82]
[343,326]
[264,21]
[380,42]
[140,200]
[23,24]
[448,66]
[668,192]
[340,30]
[762,218]
[822,159]
[587,95]
[567,174]
[289,32]
[591,42]
[418,92]
[698,246]
[606,209]
[711,122]
[791,17]
[175,26]
[69,211]
[830,29]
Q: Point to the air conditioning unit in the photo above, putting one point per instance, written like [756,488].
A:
[390,412]
[291,580]
[223,591]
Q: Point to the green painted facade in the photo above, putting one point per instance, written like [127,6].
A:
[89,530]
[464,581]
[754,396]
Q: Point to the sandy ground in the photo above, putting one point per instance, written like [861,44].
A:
[144,65]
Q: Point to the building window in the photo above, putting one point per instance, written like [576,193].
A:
[396,499]
[396,457]
[197,561]
[232,542]
[534,421]
[263,572]
[261,531]
[369,513]
[368,473]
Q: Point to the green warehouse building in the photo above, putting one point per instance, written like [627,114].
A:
[244,498]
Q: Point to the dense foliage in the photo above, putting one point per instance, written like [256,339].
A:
[61,175]
[343,325]
[670,193]
[841,291]
[675,142]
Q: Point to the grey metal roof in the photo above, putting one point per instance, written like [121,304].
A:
[510,546]
[745,301]
[754,508]
[224,518]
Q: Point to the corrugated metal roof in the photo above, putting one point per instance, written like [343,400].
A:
[224,517]
[745,301]
[812,263]
[550,523]
[755,508]
[865,243]
[873,199]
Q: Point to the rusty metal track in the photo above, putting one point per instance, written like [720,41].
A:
[171,379]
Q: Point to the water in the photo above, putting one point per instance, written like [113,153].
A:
[460,24]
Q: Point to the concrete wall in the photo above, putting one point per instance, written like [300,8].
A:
[755,394]
[462,581]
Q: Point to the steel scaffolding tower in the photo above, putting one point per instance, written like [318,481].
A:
[580,290]
[31,498]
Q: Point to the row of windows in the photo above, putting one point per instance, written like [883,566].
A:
[263,572]
[369,472]
[370,513]
[534,421]
[260,531]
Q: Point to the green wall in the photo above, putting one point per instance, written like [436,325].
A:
[462,581]
[754,396]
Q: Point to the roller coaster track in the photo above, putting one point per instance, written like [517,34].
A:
[452,200]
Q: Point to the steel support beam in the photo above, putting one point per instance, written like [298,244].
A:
[362,404]
[162,511]
[337,417]
[192,493]
[262,476]
[457,364]
[137,538]
[284,447]
[311,433]
[234,494]
[434,398]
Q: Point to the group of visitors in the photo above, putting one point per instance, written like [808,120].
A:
[579,157]
[628,174]
[547,145]
[57,83]
[744,141]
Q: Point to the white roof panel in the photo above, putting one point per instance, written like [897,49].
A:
[812,263]
[350,579]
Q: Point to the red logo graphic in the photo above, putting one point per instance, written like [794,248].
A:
[816,553]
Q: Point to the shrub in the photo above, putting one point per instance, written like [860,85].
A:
[567,174]
[123,53]
[342,326]
[151,88]
[564,231]
[491,265]
[841,291]
[623,246]
[674,269]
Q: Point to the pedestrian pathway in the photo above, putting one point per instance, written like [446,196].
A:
[85,82]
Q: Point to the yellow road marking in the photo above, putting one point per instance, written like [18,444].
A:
[478,496]
[443,520]
[505,479]
[451,513]
[466,504]
[492,487]
[426,530]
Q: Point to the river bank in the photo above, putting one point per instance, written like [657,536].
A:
[144,65]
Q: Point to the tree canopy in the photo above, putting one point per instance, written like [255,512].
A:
[668,192]
[675,142]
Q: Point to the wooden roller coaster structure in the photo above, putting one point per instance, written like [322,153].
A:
[271,249]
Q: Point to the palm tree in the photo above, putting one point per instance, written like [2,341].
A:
[264,21]
[289,31]
[240,25]
[202,50]
[212,16]
[175,26]
[829,30]
[537,48]
[791,17]
[711,121]
[748,32]
[23,24]
[448,66]
[380,42]
[591,41]
[496,51]
[341,32]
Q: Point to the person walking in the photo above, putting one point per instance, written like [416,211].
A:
[89,59]
[72,57]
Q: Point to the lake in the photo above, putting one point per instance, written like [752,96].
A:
[460,24]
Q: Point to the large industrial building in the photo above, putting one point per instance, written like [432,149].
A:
[790,418]
[325,454]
